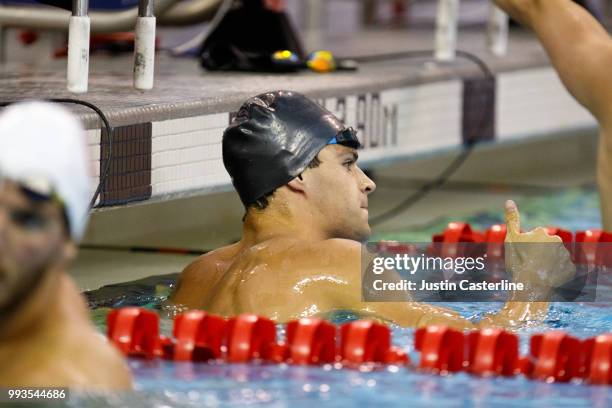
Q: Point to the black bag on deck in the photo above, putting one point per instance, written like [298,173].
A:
[246,38]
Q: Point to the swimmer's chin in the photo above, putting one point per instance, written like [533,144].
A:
[362,238]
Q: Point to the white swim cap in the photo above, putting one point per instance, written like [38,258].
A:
[44,144]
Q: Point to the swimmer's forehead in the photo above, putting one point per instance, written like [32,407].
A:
[17,195]
[341,151]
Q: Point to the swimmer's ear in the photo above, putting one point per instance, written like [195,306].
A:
[297,184]
[69,251]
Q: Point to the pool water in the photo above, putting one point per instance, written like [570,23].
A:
[168,384]
[573,209]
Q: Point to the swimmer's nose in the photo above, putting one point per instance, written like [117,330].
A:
[369,185]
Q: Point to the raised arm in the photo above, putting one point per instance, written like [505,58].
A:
[579,48]
[581,51]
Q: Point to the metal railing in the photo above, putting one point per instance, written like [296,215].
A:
[169,12]
[80,23]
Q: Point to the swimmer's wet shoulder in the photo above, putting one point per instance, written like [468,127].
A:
[286,278]
[280,277]
[199,280]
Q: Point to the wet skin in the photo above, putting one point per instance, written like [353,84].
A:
[580,49]
[47,338]
[301,257]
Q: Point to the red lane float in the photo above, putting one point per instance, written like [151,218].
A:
[366,341]
[594,247]
[495,237]
[250,337]
[604,253]
[587,245]
[442,348]
[598,359]
[311,341]
[395,247]
[458,232]
[583,245]
[566,236]
[556,356]
[396,356]
[199,336]
[135,332]
[463,232]
[493,352]
[496,233]
[455,233]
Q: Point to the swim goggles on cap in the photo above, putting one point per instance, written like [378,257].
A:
[346,137]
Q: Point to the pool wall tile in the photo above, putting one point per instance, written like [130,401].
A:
[183,156]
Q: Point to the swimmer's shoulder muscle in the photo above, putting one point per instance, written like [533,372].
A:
[291,278]
[339,259]
[198,277]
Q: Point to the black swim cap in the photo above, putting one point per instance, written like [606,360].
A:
[274,137]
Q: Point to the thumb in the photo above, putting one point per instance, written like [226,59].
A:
[513,221]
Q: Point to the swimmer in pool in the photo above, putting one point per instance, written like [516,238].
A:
[294,166]
[46,336]
[581,51]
